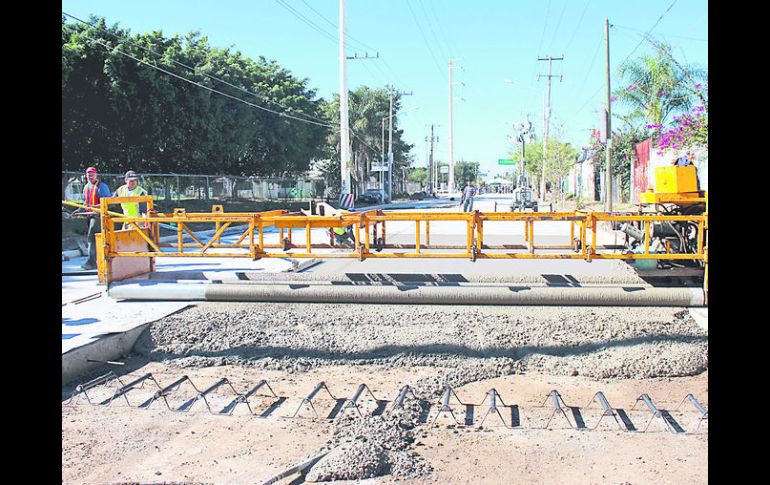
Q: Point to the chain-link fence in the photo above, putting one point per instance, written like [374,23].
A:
[205,187]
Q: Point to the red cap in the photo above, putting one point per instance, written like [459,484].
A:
[91,170]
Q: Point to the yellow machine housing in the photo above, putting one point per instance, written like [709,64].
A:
[674,184]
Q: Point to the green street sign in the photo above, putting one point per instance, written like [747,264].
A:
[506,162]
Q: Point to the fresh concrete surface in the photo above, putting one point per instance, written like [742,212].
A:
[95,326]
[701,317]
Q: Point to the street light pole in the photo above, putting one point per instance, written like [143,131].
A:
[344,124]
[390,150]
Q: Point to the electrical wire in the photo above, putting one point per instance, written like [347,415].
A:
[195,69]
[558,24]
[117,50]
[425,40]
[279,113]
[580,22]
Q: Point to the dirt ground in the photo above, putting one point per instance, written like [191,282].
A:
[121,444]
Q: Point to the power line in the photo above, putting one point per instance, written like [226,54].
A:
[307,21]
[336,27]
[195,69]
[447,39]
[629,55]
[649,31]
[558,24]
[433,33]
[545,25]
[279,113]
[578,26]
[427,44]
[667,35]
[201,85]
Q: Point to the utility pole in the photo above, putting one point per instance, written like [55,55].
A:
[608,148]
[390,142]
[382,155]
[344,125]
[547,114]
[431,181]
[451,182]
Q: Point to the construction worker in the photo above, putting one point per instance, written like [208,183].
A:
[94,190]
[467,198]
[344,235]
[131,189]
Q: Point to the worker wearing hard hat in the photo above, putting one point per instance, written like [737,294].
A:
[131,189]
[94,190]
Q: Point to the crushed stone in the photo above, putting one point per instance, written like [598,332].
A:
[606,342]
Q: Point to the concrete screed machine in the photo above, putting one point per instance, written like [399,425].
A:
[676,193]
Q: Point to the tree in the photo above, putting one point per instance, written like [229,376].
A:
[122,113]
[622,153]
[465,172]
[658,86]
[366,109]
[418,175]
[559,159]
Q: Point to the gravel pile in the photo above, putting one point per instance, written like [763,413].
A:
[487,341]
[367,447]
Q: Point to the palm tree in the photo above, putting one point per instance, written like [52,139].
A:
[657,85]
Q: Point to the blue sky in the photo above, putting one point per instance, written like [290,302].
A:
[490,41]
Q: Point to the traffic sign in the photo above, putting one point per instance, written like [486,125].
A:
[506,162]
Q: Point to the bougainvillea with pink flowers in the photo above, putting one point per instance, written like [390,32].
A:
[688,130]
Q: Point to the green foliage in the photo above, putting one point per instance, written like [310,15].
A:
[366,109]
[560,157]
[465,172]
[622,153]
[418,175]
[657,86]
[120,114]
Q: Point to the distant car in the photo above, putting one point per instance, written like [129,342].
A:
[372,196]
[418,196]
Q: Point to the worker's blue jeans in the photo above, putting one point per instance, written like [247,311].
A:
[468,205]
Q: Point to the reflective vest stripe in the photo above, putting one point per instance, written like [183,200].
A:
[91,196]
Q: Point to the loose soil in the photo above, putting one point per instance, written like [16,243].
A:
[522,352]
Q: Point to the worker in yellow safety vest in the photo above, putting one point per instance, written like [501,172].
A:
[131,189]
[344,235]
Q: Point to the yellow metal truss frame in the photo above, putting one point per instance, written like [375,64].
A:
[369,230]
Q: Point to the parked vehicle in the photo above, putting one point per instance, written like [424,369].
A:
[372,196]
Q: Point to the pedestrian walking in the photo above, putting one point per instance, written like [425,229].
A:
[467,198]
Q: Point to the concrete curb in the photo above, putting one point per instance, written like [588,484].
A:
[109,347]
[70,254]
[297,265]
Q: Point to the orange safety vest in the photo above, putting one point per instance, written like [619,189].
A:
[92,196]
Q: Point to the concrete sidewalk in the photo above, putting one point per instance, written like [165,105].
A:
[98,327]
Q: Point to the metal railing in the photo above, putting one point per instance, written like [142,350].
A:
[370,237]
[178,187]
